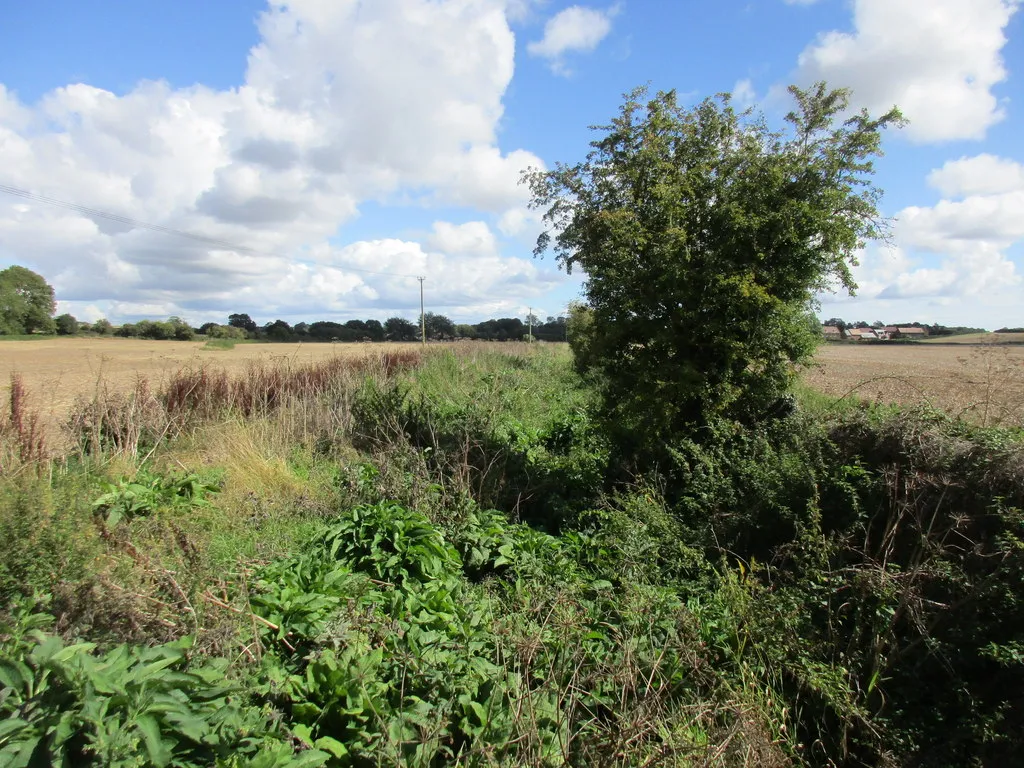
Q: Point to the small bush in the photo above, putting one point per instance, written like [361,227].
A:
[67,325]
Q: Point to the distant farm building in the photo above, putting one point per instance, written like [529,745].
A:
[861,334]
[832,332]
[912,333]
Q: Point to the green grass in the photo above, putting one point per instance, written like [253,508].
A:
[27,336]
[220,344]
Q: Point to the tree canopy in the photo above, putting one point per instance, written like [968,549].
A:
[26,302]
[704,236]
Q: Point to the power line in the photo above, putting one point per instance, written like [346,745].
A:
[24,193]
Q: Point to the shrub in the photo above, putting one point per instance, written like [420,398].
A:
[67,325]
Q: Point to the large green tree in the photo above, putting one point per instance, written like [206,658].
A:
[26,302]
[704,236]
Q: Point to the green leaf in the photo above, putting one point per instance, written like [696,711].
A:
[12,725]
[159,752]
[312,758]
[332,745]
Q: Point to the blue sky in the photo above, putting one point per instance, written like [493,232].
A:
[339,139]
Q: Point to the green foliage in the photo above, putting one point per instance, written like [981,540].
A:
[227,332]
[131,706]
[389,654]
[173,328]
[501,425]
[400,329]
[66,324]
[704,236]
[26,302]
[46,522]
[146,493]
[102,327]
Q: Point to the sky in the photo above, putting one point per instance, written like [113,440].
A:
[338,149]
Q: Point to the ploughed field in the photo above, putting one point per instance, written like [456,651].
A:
[982,383]
[57,372]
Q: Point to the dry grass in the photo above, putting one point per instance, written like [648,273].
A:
[982,383]
[57,373]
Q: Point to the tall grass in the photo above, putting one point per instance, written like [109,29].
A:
[307,399]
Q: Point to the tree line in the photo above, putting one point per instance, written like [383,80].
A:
[437,327]
[28,304]
[934,329]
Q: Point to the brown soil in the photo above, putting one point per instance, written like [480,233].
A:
[983,383]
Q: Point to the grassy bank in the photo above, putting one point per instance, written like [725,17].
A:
[438,558]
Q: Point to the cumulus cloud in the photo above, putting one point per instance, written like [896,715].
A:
[980,175]
[938,60]
[576,29]
[343,102]
[956,252]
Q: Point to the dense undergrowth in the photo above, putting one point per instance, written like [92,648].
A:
[445,561]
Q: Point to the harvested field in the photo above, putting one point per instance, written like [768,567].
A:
[982,383]
[977,338]
[57,372]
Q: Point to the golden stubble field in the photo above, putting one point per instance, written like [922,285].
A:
[983,383]
[57,372]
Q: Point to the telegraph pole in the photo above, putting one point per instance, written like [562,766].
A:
[423,316]
[529,320]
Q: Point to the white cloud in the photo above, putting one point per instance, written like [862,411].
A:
[743,94]
[343,102]
[980,175]
[472,238]
[576,29]
[954,254]
[938,60]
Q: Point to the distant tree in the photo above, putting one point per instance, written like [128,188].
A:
[103,327]
[502,329]
[325,330]
[439,327]
[878,324]
[216,331]
[26,302]
[466,331]
[400,329]
[278,330]
[180,330]
[357,326]
[301,329]
[205,328]
[837,322]
[554,329]
[244,322]
[152,329]
[375,330]
[66,324]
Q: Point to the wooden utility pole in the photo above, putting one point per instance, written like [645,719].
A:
[423,316]
[529,320]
